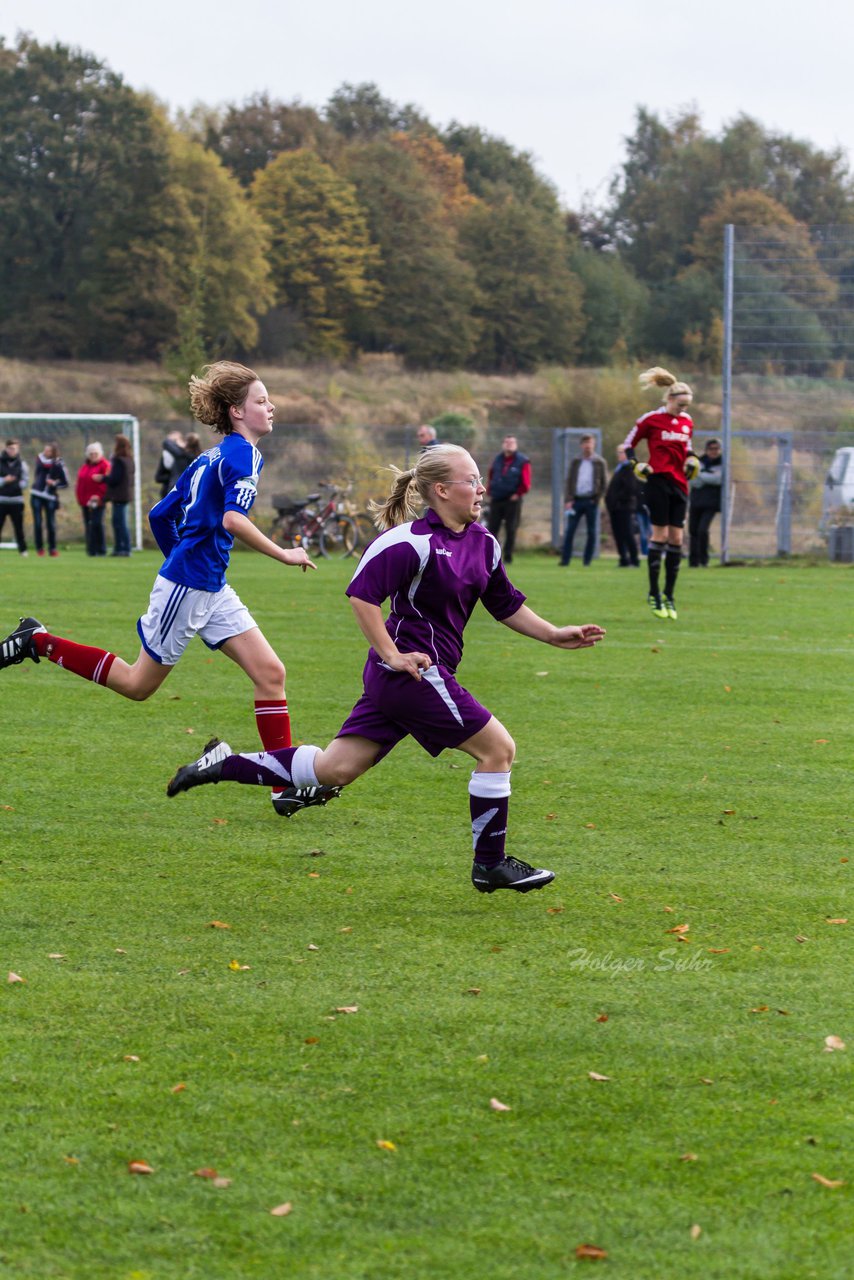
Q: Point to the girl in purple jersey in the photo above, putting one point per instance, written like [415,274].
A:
[195,526]
[433,570]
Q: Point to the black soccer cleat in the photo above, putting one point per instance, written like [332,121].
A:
[19,644]
[208,768]
[295,799]
[509,874]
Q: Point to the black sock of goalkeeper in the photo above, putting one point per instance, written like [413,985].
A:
[653,562]
[672,561]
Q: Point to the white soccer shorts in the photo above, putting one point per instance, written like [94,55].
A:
[176,614]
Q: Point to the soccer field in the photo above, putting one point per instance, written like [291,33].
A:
[655,1020]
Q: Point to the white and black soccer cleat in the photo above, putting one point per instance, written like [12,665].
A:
[208,768]
[19,644]
[294,799]
[510,873]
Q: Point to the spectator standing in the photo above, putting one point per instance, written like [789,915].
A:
[621,500]
[50,476]
[586,482]
[90,489]
[14,478]
[672,463]
[172,451]
[119,489]
[426,436]
[192,449]
[508,482]
[705,503]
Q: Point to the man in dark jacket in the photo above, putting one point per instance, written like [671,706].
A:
[586,481]
[14,478]
[621,501]
[172,452]
[705,503]
[508,481]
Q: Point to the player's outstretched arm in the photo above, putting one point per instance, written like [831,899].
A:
[251,536]
[370,619]
[528,623]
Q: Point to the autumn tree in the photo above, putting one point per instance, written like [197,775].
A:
[429,292]
[247,137]
[530,304]
[360,113]
[323,264]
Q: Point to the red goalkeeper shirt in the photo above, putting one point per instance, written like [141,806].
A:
[668,437]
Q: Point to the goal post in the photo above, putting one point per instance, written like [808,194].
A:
[43,427]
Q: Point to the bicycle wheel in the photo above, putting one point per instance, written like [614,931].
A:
[338,537]
[291,532]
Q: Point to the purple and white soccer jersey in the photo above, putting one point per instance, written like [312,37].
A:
[433,579]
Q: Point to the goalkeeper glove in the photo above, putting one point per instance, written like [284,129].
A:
[642,471]
[692,466]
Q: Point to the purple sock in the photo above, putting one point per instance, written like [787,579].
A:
[260,768]
[489,801]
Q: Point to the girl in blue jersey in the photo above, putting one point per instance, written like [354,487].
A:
[195,526]
[433,569]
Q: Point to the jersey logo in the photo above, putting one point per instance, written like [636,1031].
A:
[675,435]
[441,551]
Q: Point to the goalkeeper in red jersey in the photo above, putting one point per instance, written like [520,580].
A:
[672,463]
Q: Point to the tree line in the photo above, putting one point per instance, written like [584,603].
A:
[275,229]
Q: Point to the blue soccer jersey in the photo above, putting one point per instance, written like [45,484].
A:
[187,523]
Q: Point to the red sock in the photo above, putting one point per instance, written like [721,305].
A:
[82,659]
[274,725]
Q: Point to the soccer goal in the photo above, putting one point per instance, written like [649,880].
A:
[73,432]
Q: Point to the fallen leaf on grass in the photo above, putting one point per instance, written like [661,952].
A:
[472,991]
[120,951]
[696,1231]
[727,688]
[590,1251]
[139,1166]
[554,911]
[282,1210]
[832,1183]
[221,1182]
[218,924]
[178,1088]
[55,955]
[219,822]
[131,1057]
[348,928]
[237,967]
[669,910]
[760,1008]
[385,1145]
[498,1106]
[15,977]
[680,928]
[347,1008]
[317,853]
[602,1017]
[314,875]
[718,951]
[706,1080]
[615,896]
[688,1156]
[312,947]
[821,742]
[594,1075]
[205,1173]
[843,921]
[312,1040]
[833,1044]
[550,817]
[590,826]
[71,1160]
[7,808]
[799,937]
[541,673]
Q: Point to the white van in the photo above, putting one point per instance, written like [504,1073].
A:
[839,486]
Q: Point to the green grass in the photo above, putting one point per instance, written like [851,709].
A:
[702,766]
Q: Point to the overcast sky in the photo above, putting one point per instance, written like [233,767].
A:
[559,78]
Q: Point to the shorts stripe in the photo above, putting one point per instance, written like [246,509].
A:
[432,676]
[171,611]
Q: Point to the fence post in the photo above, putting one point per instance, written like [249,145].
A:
[726,390]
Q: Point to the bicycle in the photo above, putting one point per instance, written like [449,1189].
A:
[330,530]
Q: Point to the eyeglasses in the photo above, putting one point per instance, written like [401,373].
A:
[474,482]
